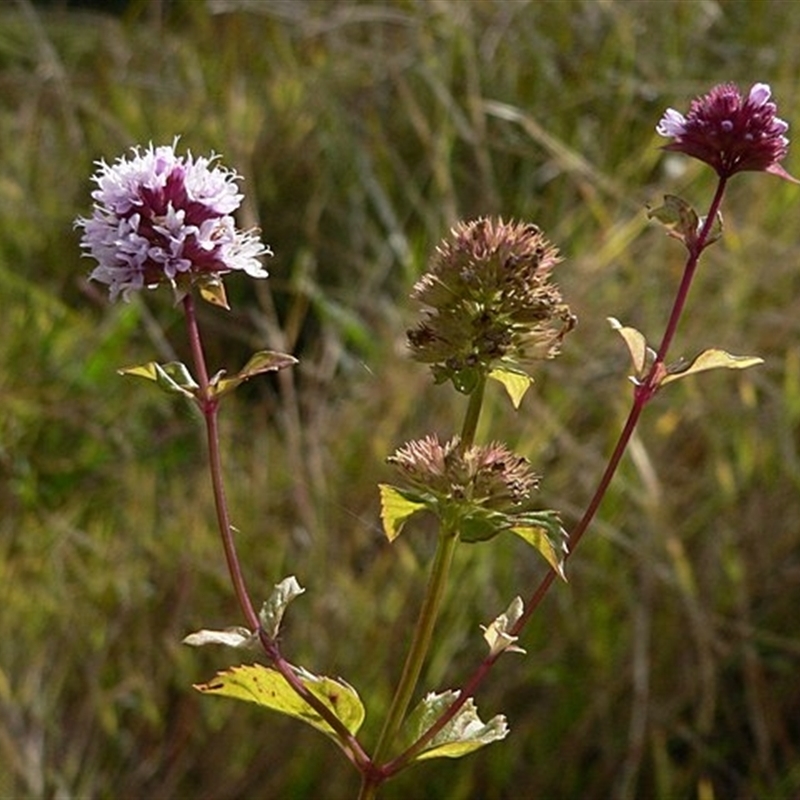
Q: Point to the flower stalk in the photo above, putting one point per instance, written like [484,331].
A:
[426,621]
[472,416]
[209,406]
[420,644]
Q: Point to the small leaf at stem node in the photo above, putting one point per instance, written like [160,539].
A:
[274,607]
[496,634]
[259,363]
[237,637]
[463,734]
[515,381]
[172,377]
[712,358]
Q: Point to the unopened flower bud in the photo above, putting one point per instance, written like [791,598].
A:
[487,299]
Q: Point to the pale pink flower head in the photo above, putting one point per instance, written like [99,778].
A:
[163,218]
[730,132]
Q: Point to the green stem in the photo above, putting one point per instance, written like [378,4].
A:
[473,414]
[423,631]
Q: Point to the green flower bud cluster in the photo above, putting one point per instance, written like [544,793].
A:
[487,301]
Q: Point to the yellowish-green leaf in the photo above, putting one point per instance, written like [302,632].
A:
[212,290]
[682,221]
[516,383]
[640,353]
[259,363]
[549,545]
[678,217]
[266,687]
[464,734]
[147,371]
[396,510]
[710,359]
[173,377]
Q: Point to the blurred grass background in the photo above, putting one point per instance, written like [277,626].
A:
[669,667]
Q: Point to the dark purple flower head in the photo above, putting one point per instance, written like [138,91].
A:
[163,218]
[730,132]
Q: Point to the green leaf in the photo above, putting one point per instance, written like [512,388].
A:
[260,362]
[716,229]
[540,529]
[465,380]
[682,221]
[678,217]
[274,607]
[397,507]
[173,377]
[480,525]
[543,530]
[240,638]
[641,355]
[496,634]
[710,359]
[464,734]
[515,381]
[266,687]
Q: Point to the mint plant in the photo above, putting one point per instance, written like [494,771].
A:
[489,315]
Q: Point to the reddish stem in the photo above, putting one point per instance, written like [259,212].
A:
[209,406]
[350,745]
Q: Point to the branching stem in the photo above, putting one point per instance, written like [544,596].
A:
[643,393]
